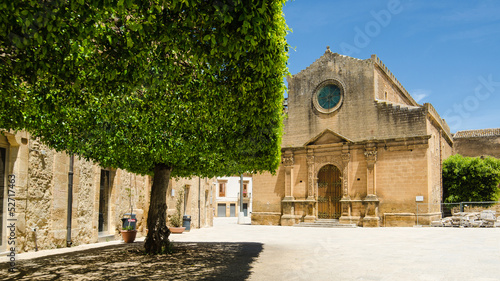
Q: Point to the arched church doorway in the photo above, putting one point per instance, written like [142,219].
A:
[329,192]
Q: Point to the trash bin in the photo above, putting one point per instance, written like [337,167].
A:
[186,222]
[129,219]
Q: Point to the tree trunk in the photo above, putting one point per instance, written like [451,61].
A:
[157,240]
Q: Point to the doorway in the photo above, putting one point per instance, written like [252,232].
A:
[329,192]
[232,210]
[104,201]
[221,210]
[245,209]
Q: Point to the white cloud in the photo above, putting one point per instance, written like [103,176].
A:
[420,94]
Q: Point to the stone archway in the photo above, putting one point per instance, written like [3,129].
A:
[329,192]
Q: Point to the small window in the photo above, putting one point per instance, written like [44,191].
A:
[222,189]
[245,190]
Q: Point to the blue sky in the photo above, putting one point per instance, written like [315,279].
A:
[446,53]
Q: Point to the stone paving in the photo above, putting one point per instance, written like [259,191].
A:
[298,253]
[412,253]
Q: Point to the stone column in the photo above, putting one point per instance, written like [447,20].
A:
[371,159]
[311,184]
[288,162]
[346,217]
[310,175]
[346,157]
[371,201]
[288,203]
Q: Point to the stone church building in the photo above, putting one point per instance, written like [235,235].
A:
[356,147]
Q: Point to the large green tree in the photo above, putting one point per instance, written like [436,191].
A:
[165,88]
[471,179]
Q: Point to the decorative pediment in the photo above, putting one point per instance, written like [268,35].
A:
[327,137]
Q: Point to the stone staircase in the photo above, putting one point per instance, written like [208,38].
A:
[325,223]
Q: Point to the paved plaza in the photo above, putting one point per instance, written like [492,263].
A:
[413,253]
[299,253]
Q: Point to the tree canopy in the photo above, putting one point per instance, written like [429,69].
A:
[194,84]
[471,179]
[191,88]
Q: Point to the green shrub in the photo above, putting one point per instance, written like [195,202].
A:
[471,179]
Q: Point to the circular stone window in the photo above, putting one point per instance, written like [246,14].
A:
[328,96]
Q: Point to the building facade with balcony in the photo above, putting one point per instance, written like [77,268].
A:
[228,196]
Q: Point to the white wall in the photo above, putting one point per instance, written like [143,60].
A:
[233,190]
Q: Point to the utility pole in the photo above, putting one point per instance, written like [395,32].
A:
[241,215]
[70,201]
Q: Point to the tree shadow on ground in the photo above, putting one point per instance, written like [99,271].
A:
[188,261]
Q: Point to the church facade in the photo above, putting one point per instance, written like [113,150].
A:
[356,147]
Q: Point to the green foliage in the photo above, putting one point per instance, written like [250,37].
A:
[187,88]
[176,219]
[128,228]
[195,85]
[467,179]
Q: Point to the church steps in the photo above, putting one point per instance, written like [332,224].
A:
[332,223]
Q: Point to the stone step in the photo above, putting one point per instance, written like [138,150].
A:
[105,238]
[327,220]
[325,223]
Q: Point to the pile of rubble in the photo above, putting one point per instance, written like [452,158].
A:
[485,218]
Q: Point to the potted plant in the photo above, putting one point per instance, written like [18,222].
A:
[129,232]
[176,220]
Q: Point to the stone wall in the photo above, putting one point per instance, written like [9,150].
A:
[402,174]
[42,197]
[477,146]
[198,188]
[83,202]
[268,190]
[387,87]
[41,214]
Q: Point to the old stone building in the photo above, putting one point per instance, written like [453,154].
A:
[356,147]
[198,201]
[37,180]
[473,143]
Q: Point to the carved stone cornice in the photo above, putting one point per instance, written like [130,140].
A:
[329,159]
[346,157]
[13,138]
[371,155]
[288,160]
[371,158]
[310,159]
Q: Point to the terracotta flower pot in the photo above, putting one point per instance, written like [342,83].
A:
[177,230]
[129,235]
